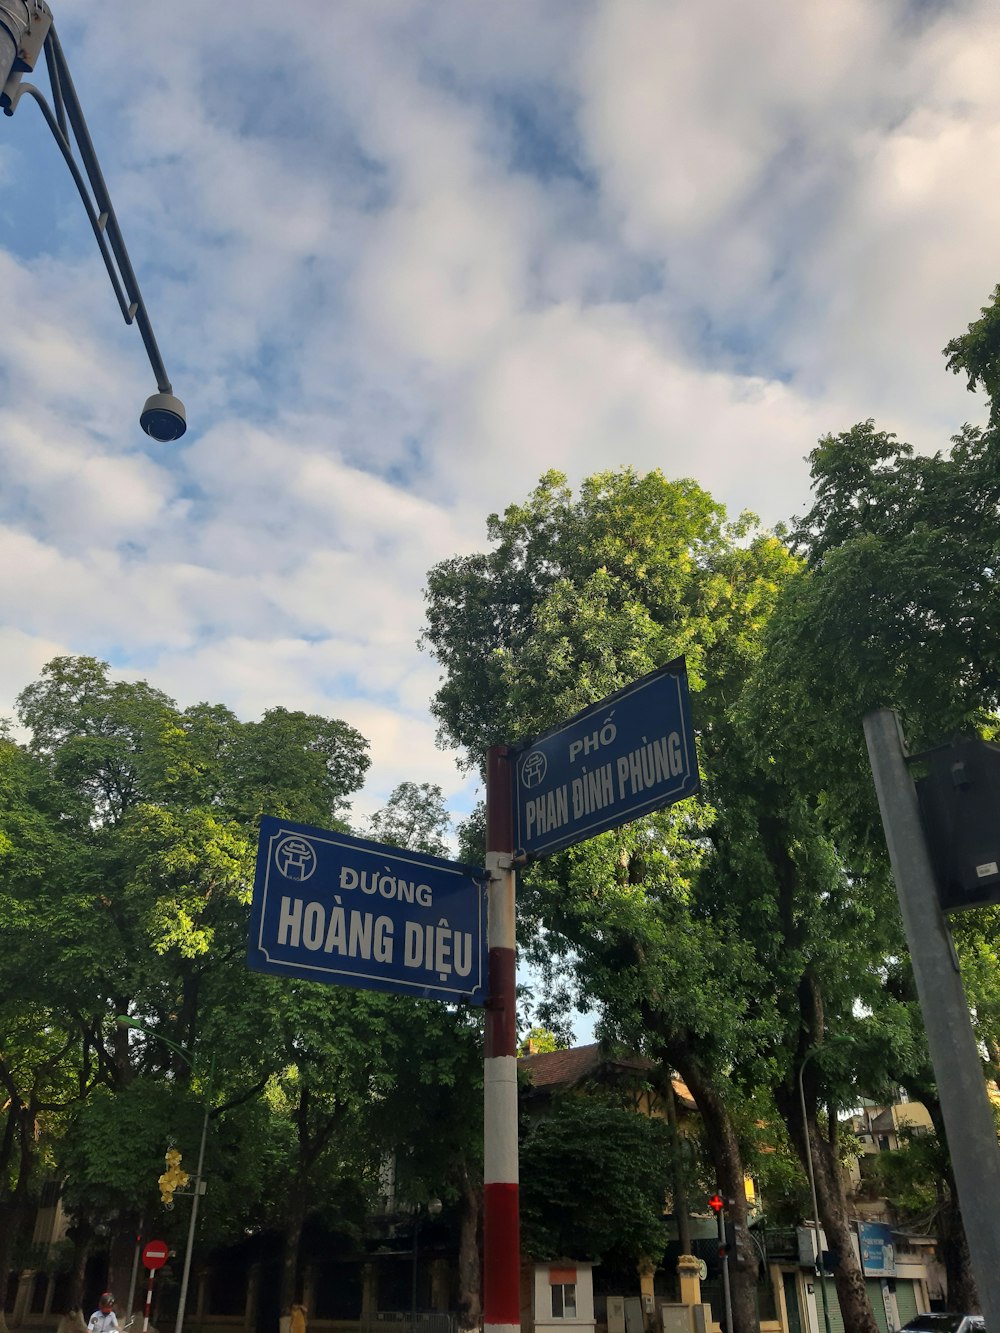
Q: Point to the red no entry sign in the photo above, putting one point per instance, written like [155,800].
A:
[155,1254]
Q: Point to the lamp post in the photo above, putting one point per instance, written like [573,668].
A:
[818,1258]
[954,1050]
[434,1207]
[26,30]
[198,1186]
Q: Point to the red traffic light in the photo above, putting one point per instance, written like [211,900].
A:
[716,1203]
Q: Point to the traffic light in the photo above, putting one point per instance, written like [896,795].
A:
[960,811]
[716,1203]
[174,1178]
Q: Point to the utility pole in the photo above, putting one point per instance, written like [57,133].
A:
[717,1203]
[958,1069]
[819,1265]
[501,1223]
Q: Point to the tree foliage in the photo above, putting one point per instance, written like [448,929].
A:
[415,817]
[578,597]
[127,832]
[594,1181]
[896,607]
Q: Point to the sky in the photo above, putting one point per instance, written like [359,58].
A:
[402,256]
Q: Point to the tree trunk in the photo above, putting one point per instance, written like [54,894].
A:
[17,1213]
[121,1254]
[730,1177]
[993,1051]
[848,1276]
[470,1307]
[962,1291]
[294,1219]
[680,1199]
[832,1204]
[81,1235]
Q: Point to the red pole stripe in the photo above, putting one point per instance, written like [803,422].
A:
[501,1018]
[499,801]
[149,1301]
[502,1255]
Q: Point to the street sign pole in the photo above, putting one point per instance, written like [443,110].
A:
[501,1226]
[958,1069]
[149,1301]
[727,1295]
[134,1277]
[718,1206]
[154,1256]
[192,1225]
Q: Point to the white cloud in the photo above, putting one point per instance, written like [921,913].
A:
[402,258]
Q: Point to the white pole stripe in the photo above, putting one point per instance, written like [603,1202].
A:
[501,919]
[500,1108]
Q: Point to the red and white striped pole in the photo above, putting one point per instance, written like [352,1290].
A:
[149,1301]
[501,1223]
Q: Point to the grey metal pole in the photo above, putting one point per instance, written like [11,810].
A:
[413,1283]
[182,1299]
[958,1070]
[727,1295]
[135,1267]
[817,1254]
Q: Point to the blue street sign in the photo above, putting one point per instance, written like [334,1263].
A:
[330,907]
[621,758]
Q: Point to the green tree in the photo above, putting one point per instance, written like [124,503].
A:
[415,817]
[335,1050]
[128,827]
[584,1193]
[896,606]
[431,1118]
[976,354]
[541,1041]
[820,939]
[577,598]
[38,1069]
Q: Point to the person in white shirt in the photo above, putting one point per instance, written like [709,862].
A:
[104,1320]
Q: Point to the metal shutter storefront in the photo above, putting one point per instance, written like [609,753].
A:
[873,1286]
[906,1300]
[873,1289]
[836,1318]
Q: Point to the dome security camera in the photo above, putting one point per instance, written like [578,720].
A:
[163,417]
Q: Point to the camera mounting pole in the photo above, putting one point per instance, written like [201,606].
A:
[26,30]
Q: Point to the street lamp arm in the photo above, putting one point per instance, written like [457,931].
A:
[124,1021]
[66,120]
[94,218]
[247,1095]
[163,416]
